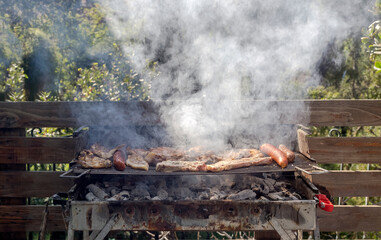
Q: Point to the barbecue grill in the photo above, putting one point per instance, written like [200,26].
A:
[283,216]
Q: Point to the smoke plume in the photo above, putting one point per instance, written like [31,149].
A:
[215,57]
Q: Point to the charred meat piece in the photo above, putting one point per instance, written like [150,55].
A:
[225,165]
[136,161]
[104,152]
[181,166]
[88,160]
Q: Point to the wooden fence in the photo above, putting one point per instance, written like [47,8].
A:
[17,150]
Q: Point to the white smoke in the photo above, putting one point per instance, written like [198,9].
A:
[216,56]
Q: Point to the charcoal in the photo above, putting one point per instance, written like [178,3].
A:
[162,194]
[156,198]
[203,196]
[279,185]
[181,193]
[123,195]
[264,189]
[91,197]
[297,196]
[243,195]
[114,191]
[276,196]
[140,192]
[111,184]
[97,191]
[263,198]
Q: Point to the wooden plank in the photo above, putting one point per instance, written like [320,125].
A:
[345,112]
[13,167]
[32,184]
[344,149]
[28,218]
[349,183]
[71,114]
[21,150]
[346,218]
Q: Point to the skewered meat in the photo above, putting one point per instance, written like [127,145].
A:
[88,160]
[104,152]
[119,160]
[277,155]
[290,154]
[181,166]
[238,163]
[136,161]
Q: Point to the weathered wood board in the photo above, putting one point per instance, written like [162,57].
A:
[72,114]
[349,183]
[32,184]
[21,150]
[25,218]
[340,149]
[346,218]
[76,114]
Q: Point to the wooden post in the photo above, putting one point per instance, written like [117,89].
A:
[13,167]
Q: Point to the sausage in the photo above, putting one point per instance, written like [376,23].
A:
[290,154]
[277,155]
[119,158]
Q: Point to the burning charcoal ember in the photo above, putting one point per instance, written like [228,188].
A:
[246,194]
[98,192]
[162,194]
[91,197]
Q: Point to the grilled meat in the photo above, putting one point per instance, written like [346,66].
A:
[290,154]
[277,155]
[104,152]
[136,161]
[160,154]
[119,160]
[181,166]
[242,153]
[87,159]
[225,165]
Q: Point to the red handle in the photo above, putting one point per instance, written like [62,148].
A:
[324,203]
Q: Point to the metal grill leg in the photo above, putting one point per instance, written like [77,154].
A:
[70,233]
[284,234]
[107,227]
